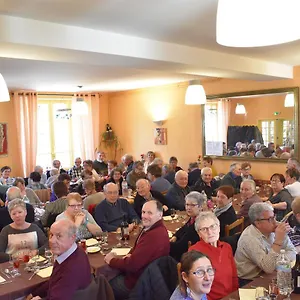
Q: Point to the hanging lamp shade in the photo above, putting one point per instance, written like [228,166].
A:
[79,108]
[195,94]
[289,100]
[4,93]
[240,109]
[257,23]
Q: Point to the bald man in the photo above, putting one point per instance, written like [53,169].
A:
[178,191]
[70,262]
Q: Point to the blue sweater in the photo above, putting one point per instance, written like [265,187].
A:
[109,216]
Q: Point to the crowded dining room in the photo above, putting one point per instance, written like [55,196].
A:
[149,150]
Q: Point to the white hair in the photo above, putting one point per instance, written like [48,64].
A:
[205,215]
[205,170]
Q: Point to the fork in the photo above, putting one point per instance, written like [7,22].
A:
[34,273]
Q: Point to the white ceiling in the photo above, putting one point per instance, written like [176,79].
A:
[124,44]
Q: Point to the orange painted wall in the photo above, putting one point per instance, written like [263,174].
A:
[131,114]
[7,116]
[260,108]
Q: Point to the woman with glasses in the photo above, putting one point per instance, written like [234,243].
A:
[187,233]
[196,276]
[226,280]
[85,223]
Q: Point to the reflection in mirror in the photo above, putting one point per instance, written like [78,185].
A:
[258,125]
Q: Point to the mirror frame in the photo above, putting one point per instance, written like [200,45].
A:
[294,90]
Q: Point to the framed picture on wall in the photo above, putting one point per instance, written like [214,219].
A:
[3,139]
[160,136]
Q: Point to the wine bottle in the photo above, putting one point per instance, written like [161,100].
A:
[296,275]
[124,229]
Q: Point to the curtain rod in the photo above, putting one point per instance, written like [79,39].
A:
[67,95]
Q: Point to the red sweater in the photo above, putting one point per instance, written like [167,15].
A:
[226,278]
[149,246]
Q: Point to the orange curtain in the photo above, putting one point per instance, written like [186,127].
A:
[25,110]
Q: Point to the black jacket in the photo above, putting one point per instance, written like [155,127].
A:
[185,234]
[139,201]
[234,182]
[194,176]
[176,196]
[227,218]
[209,190]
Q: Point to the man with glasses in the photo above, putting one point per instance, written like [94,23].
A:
[187,233]
[110,213]
[260,243]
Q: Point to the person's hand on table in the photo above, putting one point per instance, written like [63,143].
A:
[30,297]
[109,257]
[165,207]
[131,227]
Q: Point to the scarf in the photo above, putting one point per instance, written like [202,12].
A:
[219,211]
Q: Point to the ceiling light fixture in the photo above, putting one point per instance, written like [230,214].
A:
[4,93]
[195,93]
[257,23]
[289,100]
[240,109]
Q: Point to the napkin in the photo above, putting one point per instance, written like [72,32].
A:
[2,279]
[41,258]
[44,273]
[170,233]
[121,251]
[168,218]
[91,242]
[247,294]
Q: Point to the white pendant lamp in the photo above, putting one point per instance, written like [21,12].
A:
[4,93]
[289,100]
[240,109]
[257,23]
[195,94]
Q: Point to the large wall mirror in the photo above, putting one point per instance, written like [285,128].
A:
[258,125]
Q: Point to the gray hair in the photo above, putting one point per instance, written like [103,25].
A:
[196,196]
[13,193]
[252,184]
[38,168]
[205,215]
[256,210]
[128,157]
[167,168]
[194,165]
[53,172]
[108,185]
[16,203]
[233,166]
[206,169]
[157,161]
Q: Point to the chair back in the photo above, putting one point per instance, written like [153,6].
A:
[51,219]
[44,195]
[234,225]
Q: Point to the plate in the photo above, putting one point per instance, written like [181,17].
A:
[93,249]
[91,242]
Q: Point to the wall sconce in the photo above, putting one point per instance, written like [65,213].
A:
[158,122]
[240,109]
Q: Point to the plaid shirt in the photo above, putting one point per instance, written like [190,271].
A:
[75,172]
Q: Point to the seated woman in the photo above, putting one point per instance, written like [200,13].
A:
[85,223]
[116,177]
[224,210]
[187,233]
[20,237]
[88,166]
[196,277]
[280,199]
[92,196]
[5,178]
[36,181]
[226,280]
[28,195]
[136,174]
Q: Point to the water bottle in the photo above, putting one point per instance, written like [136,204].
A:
[124,188]
[284,273]
[205,199]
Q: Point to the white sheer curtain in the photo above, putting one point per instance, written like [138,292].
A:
[25,110]
[223,118]
[86,128]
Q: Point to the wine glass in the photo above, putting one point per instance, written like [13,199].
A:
[135,222]
[173,214]
[36,259]
[126,238]
[105,238]
[119,238]
[98,236]
[16,264]
[48,255]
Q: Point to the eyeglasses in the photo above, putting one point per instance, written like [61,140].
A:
[73,206]
[211,227]
[201,273]
[191,205]
[270,220]
[112,192]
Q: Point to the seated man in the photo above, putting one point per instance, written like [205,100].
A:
[168,173]
[158,183]
[260,243]
[136,174]
[143,253]
[178,191]
[110,213]
[59,205]
[206,183]
[194,173]
[70,262]
[249,196]
[56,165]
[233,177]
[11,194]
[144,194]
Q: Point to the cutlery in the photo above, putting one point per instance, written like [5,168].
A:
[4,282]
[34,273]
[4,274]
[7,272]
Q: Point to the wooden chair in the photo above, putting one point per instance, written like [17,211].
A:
[237,223]
[44,195]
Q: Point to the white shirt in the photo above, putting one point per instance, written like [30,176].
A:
[61,258]
[294,189]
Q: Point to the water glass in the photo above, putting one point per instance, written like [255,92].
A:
[261,293]
[48,255]
[119,237]
[273,289]
[16,261]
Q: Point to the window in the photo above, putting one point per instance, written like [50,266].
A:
[55,138]
[267,130]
